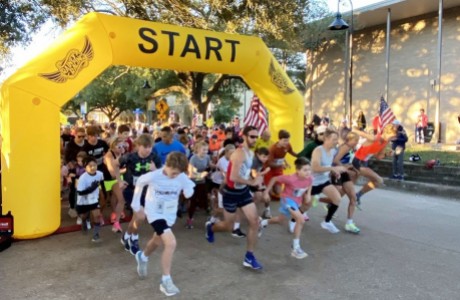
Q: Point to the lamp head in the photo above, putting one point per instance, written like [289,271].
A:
[338,23]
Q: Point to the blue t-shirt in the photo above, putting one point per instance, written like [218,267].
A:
[163,149]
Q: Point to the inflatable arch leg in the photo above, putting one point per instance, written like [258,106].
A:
[32,97]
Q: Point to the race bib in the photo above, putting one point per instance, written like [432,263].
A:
[279,162]
[92,199]
[299,192]
[170,207]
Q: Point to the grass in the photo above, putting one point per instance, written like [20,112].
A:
[426,152]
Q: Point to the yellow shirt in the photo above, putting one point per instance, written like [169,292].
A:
[261,143]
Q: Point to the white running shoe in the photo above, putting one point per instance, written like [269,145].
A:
[261,228]
[141,265]
[79,221]
[330,227]
[168,288]
[298,253]
[291,226]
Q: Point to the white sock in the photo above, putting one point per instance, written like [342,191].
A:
[143,257]
[264,223]
[165,277]
[127,235]
[296,243]
[135,236]
[236,226]
[305,214]
[350,221]
[267,208]
[213,220]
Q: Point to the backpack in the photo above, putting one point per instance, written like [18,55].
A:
[415,157]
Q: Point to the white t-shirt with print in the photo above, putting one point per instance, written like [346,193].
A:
[162,198]
[85,182]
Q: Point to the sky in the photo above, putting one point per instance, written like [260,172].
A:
[49,33]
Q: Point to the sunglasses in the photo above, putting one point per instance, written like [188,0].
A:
[253,136]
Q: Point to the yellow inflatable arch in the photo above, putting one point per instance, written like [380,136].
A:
[31,99]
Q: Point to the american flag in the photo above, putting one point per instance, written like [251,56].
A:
[256,115]
[386,114]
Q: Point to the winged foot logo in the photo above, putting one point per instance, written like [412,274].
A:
[72,64]
[279,80]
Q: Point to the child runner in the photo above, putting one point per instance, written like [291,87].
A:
[296,186]
[137,164]
[260,158]
[199,166]
[276,160]
[161,202]
[88,196]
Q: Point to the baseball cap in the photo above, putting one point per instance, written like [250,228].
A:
[396,122]
[320,129]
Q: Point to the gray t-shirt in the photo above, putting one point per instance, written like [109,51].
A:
[200,165]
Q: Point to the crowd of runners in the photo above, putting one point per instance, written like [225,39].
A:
[233,174]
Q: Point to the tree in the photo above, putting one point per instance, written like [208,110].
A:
[116,90]
[279,23]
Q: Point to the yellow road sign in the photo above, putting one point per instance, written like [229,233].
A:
[162,116]
[162,106]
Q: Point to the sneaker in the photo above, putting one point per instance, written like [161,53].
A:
[116,227]
[88,224]
[141,265]
[79,221]
[330,227]
[400,178]
[72,213]
[238,233]
[291,226]
[96,238]
[133,246]
[125,243]
[168,288]
[315,200]
[266,214]
[189,224]
[352,228]
[393,177]
[261,228]
[113,218]
[251,262]
[298,253]
[306,217]
[209,233]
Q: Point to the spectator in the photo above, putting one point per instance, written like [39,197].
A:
[398,145]
[361,121]
[420,127]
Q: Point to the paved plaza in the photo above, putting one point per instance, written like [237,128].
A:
[408,249]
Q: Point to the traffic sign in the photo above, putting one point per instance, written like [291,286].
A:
[162,116]
[162,106]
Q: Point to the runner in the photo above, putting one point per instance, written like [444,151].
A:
[137,164]
[348,178]
[296,187]
[236,194]
[373,146]
[164,187]
[321,165]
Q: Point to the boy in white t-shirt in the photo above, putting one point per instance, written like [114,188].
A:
[161,202]
[88,196]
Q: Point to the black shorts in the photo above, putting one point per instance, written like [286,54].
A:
[160,226]
[234,198]
[344,177]
[83,209]
[212,185]
[318,189]
[357,163]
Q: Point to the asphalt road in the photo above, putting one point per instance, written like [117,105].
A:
[409,248]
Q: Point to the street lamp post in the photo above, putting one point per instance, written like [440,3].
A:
[340,24]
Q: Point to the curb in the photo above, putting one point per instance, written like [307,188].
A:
[426,189]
